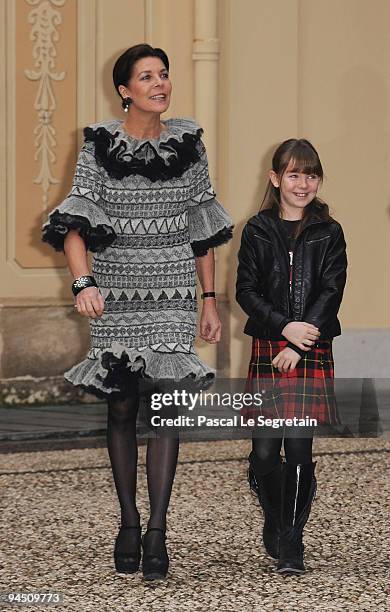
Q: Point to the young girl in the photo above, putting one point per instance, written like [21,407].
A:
[290,282]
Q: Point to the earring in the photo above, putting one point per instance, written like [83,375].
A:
[126,103]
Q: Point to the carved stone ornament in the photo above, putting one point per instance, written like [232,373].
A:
[44,34]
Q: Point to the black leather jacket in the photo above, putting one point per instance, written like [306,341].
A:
[319,275]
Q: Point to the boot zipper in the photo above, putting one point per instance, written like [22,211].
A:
[296,492]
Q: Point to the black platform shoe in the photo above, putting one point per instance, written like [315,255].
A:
[267,488]
[127,562]
[155,560]
[298,493]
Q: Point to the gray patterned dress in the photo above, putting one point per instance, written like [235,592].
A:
[145,208]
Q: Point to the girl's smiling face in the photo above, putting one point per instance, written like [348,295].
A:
[297,189]
[149,86]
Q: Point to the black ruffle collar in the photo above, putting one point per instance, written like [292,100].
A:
[163,158]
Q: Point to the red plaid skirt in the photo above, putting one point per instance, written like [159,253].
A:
[307,391]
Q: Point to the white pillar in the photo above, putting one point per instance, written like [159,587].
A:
[206,57]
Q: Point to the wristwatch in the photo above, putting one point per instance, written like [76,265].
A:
[208,294]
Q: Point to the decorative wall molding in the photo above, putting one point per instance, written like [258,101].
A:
[44,33]
[18,281]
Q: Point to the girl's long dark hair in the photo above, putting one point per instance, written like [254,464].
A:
[305,159]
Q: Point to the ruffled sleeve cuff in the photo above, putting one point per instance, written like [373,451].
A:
[83,215]
[209,226]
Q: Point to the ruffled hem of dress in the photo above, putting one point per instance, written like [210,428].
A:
[96,238]
[163,158]
[115,371]
[209,226]
[201,247]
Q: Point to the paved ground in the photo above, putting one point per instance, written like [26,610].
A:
[59,519]
[22,423]
[364,410]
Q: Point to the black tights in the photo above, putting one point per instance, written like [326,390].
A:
[267,450]
[161,461]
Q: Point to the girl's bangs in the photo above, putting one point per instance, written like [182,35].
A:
[306,162]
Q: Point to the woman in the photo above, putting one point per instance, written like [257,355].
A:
[290,282]
[142,201]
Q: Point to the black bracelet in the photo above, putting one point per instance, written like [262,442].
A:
[82,283]
[208,294]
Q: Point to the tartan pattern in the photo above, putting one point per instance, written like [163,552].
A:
[307,391]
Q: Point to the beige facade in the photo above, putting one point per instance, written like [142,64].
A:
[253,73]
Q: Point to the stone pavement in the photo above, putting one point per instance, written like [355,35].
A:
[59,516]
[51,426]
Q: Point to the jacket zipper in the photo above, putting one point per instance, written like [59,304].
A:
[317,239]
[290,279]
[292,255]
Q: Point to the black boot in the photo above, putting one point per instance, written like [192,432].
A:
[267,488]
[298,492]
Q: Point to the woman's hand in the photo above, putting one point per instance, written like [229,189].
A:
[90,302]
[302,334]
[210,325]
[286,360]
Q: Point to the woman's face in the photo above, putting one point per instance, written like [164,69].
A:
[149,86]
[297,189]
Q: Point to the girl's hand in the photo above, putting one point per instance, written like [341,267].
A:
[302,334]
[286,360]
[210,325]
[90,302]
